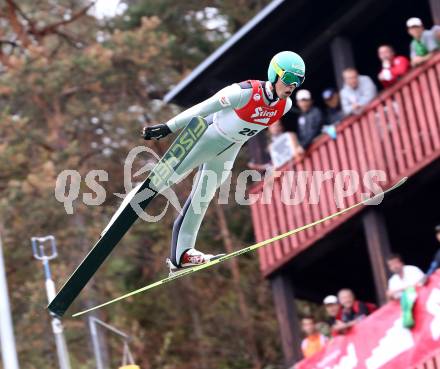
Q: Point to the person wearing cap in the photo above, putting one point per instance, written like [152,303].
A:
[332,308]
[357,92]
[334,112]
[423,43]
[310,120]
[393,66]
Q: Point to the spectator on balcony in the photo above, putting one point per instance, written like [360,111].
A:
[310,120]
[314,340]
[257,151]
[401,286]
[264,163]
[435,264]
[404,276]
[423,43]
[436,32]
[357,92]
[332,309]
[275,130]
[352,311]
[334,113]
[332,101]
[393,67]
[283,145]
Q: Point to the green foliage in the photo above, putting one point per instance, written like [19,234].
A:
[70,102]
[197,27]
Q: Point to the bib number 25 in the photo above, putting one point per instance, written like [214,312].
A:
[248,132]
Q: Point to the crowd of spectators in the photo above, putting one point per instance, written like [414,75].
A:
[342,313]
[358,90]
[344,310]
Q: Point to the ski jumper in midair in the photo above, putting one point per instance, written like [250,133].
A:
[234,114]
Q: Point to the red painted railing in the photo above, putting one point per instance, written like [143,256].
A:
[398,133]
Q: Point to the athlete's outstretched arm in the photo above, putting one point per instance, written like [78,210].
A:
[228,97]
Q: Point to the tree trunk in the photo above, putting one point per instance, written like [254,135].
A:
[242,305]
[199,334]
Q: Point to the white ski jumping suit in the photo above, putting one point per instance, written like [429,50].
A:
[235,114]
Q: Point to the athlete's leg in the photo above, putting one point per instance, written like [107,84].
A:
[210,176]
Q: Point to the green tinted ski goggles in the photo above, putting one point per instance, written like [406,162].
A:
[287,77]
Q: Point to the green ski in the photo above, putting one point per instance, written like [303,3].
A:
[126,215]
[186,272]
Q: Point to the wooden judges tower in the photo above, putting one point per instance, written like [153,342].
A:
[398,133]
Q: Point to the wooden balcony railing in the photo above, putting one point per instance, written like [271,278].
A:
[398,133]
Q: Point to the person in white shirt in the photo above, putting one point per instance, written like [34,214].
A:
[357,92]
[404,276]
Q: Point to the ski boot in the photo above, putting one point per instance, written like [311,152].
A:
[191,258]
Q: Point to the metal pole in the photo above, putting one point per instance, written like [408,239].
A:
[93,322]
[7,340]
[60,342]
[111,328]
[57,327]
[95,342]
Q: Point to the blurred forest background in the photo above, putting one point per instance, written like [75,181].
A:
[75,92]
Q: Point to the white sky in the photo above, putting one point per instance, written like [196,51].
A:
[107,8]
